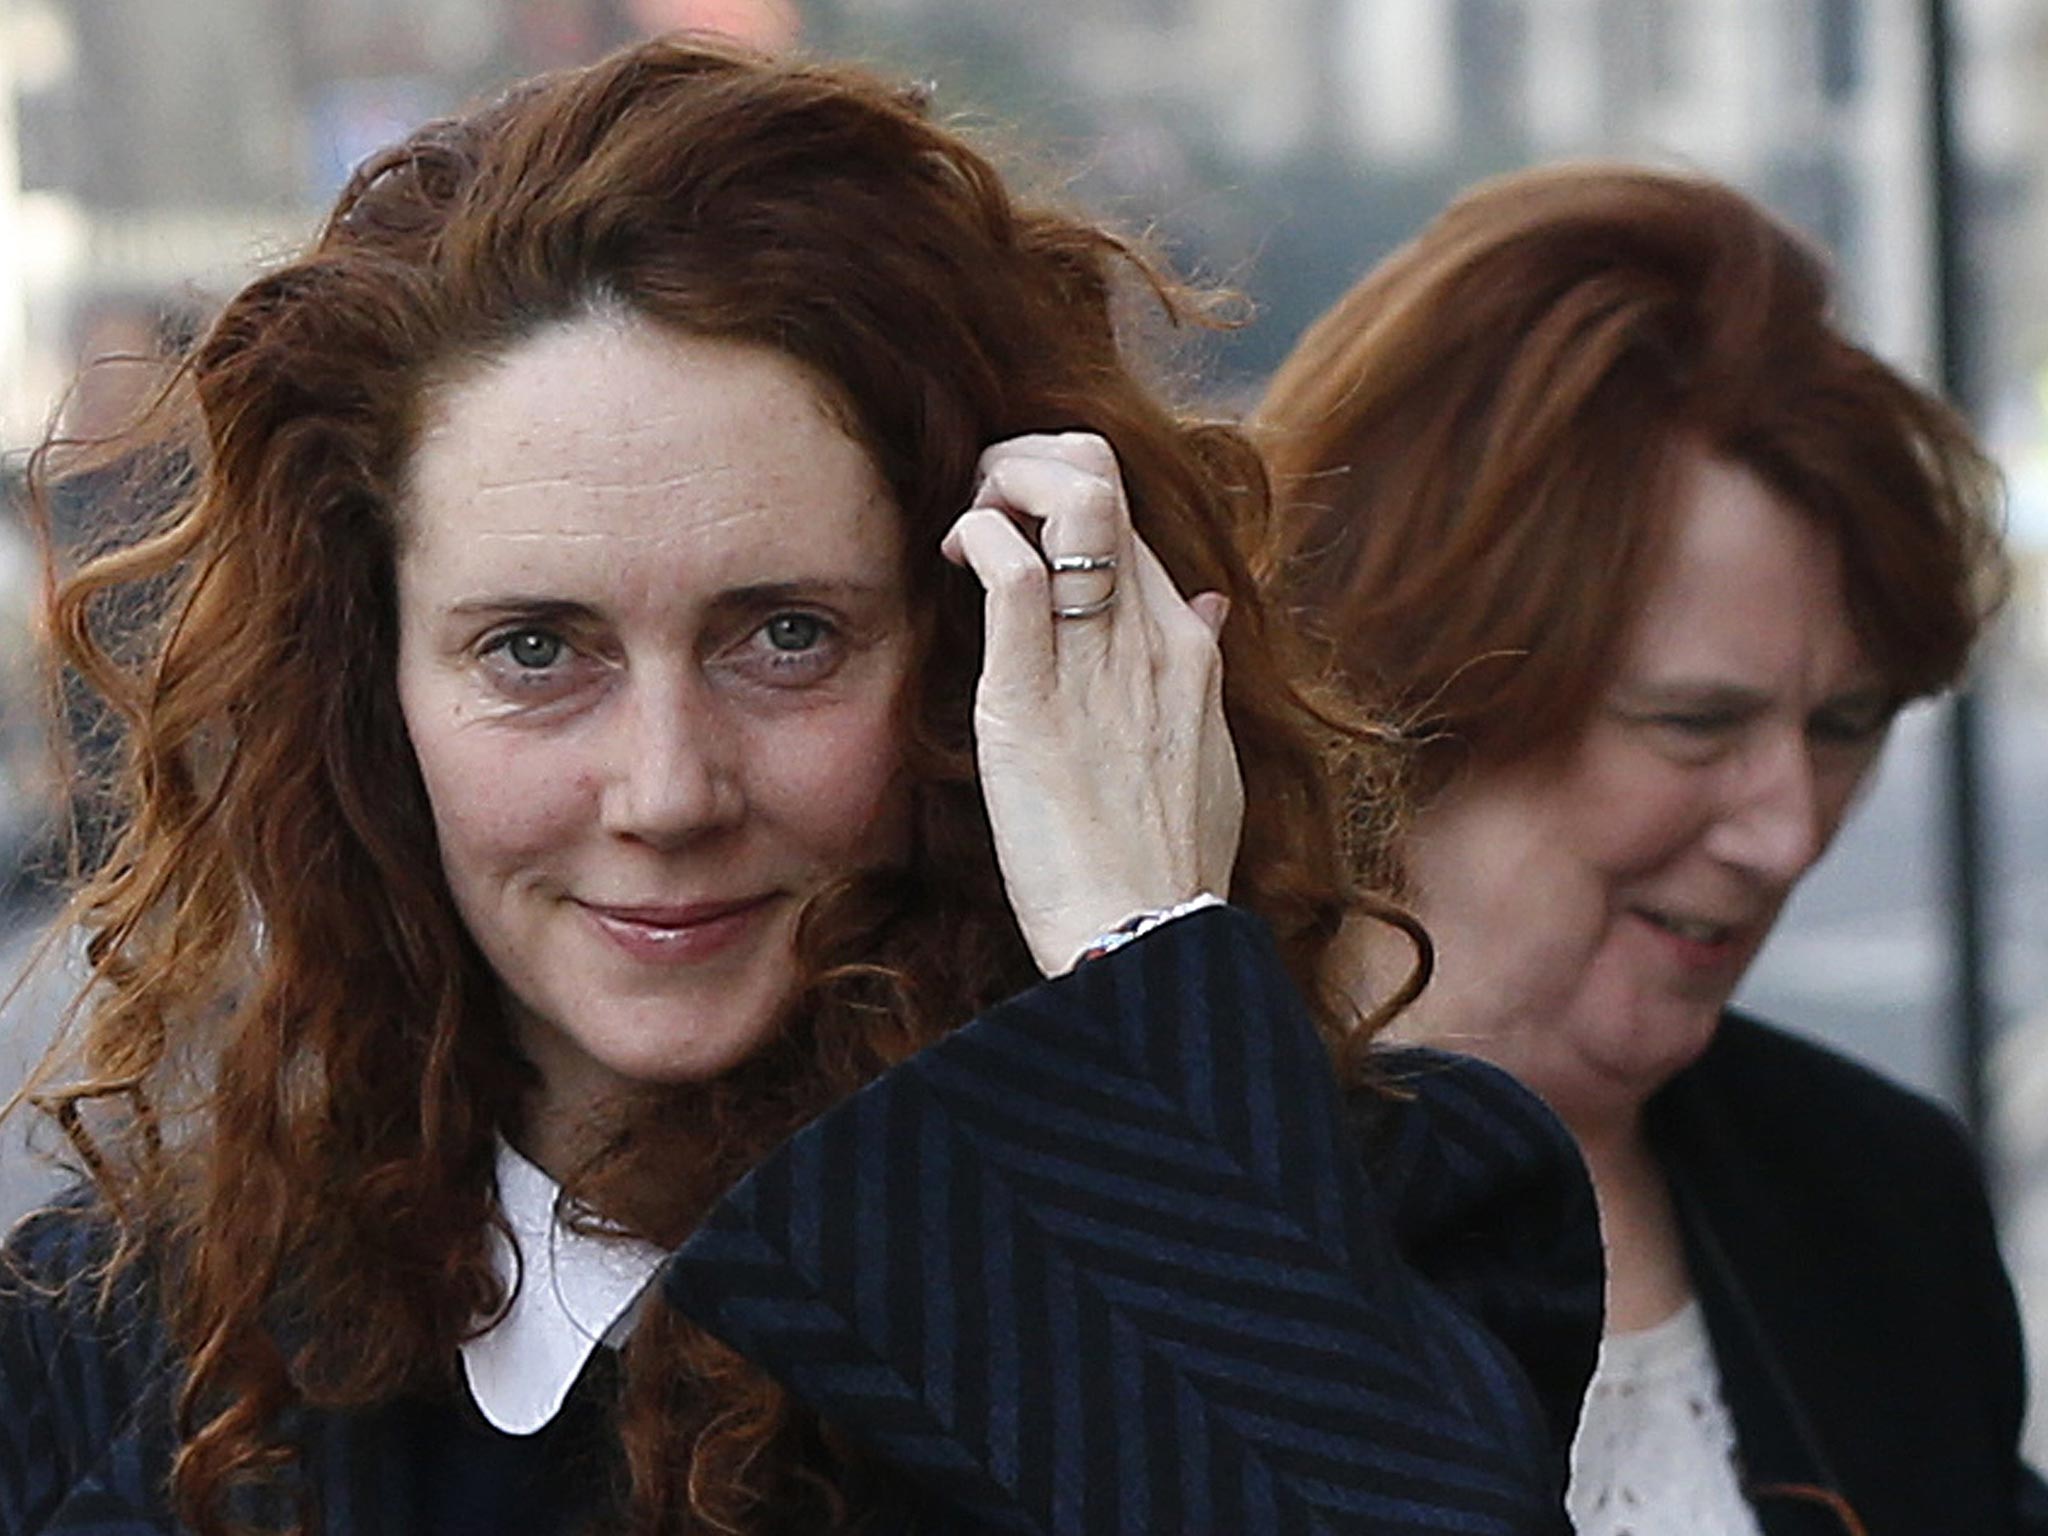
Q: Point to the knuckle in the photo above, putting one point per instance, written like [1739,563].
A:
[1020,578]
[1090,451]
[993,536]
[963,528]
[995,453]
[990,479]
[1091,495]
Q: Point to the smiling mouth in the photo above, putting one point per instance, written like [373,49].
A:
[680,935]
[676,919]
[1692,930]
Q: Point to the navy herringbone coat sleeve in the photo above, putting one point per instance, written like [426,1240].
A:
[84,1401]
[1108,1261]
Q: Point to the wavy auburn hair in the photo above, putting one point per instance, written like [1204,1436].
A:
[292,1063]
[1473,453]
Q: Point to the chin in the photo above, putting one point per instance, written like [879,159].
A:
[604,1053]
[673,1063]
[1661,1046]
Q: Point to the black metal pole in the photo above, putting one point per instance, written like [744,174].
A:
[1955,338]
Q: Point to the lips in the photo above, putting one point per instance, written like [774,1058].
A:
[688,915]
[1704,946]
[1693,930]
[678,934]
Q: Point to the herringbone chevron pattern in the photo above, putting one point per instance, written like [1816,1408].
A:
[1107,1261]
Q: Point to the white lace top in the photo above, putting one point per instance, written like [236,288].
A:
[1656,1447]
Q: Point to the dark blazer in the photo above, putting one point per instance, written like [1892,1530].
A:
[1115,1258]
[1843,1247]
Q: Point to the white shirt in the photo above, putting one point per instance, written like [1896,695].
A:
[1655,1454]
[571,1291]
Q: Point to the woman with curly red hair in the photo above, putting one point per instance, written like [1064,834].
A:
[1586,486]
[677,612]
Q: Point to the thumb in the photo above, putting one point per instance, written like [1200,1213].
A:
[1212,608]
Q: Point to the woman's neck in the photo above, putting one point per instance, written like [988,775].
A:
[1647,1279]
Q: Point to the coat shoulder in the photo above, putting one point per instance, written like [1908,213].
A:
[1785,1093]
[1491,1201]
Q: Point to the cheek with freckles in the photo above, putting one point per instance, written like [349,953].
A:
[500,806]
[831,785]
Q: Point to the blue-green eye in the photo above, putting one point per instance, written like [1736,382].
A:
[535,649]
[794,631]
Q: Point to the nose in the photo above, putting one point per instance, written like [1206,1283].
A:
[1773,823]
[672,770]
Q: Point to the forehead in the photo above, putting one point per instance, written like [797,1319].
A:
[1748,590]
[655,445]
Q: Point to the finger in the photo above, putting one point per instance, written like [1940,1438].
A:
[1213,609]
[1078,518]
[1017,612]
[1084,450]
[1026,465]
[1152,588]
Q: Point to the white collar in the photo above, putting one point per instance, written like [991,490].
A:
[571,1290]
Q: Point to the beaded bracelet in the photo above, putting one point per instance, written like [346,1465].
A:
[1138,924]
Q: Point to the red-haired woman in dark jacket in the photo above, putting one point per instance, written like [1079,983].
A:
[1587,488]
[679,609]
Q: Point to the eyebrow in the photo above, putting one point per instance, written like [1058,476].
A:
[1693,695]
[761,594]
[755,595]
[516,604]
[1733,698]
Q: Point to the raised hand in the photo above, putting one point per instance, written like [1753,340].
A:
[1105,759]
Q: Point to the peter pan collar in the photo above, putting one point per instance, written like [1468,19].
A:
[571,1291]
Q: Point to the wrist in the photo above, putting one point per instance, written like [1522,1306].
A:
[1139,923]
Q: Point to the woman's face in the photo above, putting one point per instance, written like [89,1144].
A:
[1594,912]
[652,640]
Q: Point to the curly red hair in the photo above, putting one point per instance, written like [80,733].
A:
[293,1062]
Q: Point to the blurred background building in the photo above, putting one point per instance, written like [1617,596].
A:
[153,153]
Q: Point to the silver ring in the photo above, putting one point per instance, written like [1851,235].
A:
[1059,565]
[1085,610]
